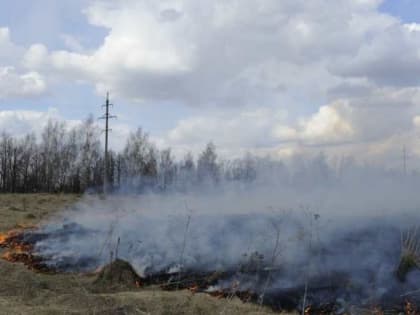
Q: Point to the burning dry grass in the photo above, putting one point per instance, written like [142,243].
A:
[117,289]
[16,250]
[23,291]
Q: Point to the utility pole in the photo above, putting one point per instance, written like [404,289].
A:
[405,160]
[106,116]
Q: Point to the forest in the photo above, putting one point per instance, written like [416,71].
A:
[66,159]
[71,160]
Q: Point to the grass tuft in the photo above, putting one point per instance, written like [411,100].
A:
[410,253]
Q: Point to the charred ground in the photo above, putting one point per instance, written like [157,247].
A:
[24,291]
[198,290]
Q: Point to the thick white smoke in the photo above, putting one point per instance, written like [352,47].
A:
[347,229]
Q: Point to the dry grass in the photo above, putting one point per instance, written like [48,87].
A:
[27,209]
[410,252]
[25,292]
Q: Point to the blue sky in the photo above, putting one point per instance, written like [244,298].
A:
[273,78]
[407,10]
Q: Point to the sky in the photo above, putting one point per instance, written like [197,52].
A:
[269,77]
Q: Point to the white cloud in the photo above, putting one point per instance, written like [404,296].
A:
[35,57]
[8,50]
[327,125]
[413,27]
[390,58]
[370,127]
[236,52]
[72,43]
[262,130]
[205,52]
[267,127]
[240,130]
[14,84]
[270,76]
[21,122]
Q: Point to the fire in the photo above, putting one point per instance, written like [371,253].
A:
[410,308]
[3,238]
[194,288]
[377,311]
[6,238]
[13,237]
[17,250]
[218,294]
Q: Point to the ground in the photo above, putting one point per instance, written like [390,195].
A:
[25,292]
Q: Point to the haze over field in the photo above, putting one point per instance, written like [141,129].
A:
[344,239]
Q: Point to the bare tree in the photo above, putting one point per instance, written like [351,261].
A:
[207,167]
[167,169]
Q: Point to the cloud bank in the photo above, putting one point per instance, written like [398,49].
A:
[267,76]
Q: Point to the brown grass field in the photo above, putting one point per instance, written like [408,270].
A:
[25,292]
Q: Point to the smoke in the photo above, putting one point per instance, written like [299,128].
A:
[272,234]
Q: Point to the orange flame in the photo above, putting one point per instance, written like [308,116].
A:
[410,308]
[377,311]
[6,237]
[193,288]
[20,251]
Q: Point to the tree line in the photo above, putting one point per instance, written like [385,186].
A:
[63,159]
[66,159]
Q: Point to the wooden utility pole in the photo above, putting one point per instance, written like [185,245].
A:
[106,116]
[405,160]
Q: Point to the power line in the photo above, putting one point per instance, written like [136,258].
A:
[106,117]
